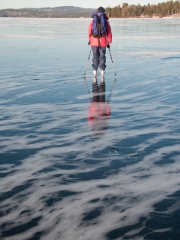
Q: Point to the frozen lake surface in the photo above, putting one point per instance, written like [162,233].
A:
[59,179]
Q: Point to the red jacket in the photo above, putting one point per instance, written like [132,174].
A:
[103,40]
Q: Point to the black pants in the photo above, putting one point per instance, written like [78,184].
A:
[99,58]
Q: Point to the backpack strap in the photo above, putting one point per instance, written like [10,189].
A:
[99,32]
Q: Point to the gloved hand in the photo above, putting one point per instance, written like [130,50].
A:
[88,43]
[108,46]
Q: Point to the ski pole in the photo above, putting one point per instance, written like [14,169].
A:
[112,90]
[87,88]
[87,63]
[112,61]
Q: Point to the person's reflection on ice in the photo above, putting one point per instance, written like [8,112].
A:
[99,110]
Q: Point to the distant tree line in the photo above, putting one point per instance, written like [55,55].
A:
[121,11]
[161,9]
[41,14]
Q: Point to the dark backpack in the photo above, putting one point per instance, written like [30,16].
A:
[99,24]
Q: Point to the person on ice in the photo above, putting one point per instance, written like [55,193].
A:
[100,37]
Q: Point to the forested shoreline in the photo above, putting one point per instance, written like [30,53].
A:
[164,9]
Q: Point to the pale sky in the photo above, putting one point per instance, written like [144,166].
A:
[79,3]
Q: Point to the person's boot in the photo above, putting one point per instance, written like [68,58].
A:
[95,73]
[102,73]
[94,79]
[102,79]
